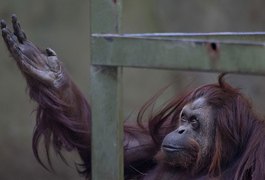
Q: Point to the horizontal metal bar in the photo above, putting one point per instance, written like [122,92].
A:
[248,36]
[196,41]
[181,34]
[240,55]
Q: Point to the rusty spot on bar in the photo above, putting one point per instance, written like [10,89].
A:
[114,1]
[214,46]
[213,50]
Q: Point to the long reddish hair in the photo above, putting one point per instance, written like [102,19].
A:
[59,126]
[239,133]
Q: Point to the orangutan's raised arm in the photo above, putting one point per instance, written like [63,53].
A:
[63,114]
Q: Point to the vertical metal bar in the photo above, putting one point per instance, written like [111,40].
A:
[105,16]
[107,121]
[107,124]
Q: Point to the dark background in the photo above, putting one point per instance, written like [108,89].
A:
[64,26]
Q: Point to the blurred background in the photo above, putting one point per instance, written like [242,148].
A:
[64,26]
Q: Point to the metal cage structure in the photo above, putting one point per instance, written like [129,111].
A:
[239,52]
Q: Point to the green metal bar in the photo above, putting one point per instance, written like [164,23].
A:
[106,128]
[247,36]
[240,54]
[107,121]
[105,16]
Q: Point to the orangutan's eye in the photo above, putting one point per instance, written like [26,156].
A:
[194,122]
[183,118]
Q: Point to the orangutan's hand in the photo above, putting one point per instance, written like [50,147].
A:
[38,65]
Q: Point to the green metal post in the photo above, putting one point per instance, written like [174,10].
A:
[107,121]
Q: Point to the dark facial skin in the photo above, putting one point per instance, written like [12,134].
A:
[190,143]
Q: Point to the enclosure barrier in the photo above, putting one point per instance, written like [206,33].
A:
[111,51]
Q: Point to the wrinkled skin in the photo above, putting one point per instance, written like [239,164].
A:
[41,65]
[189,145]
